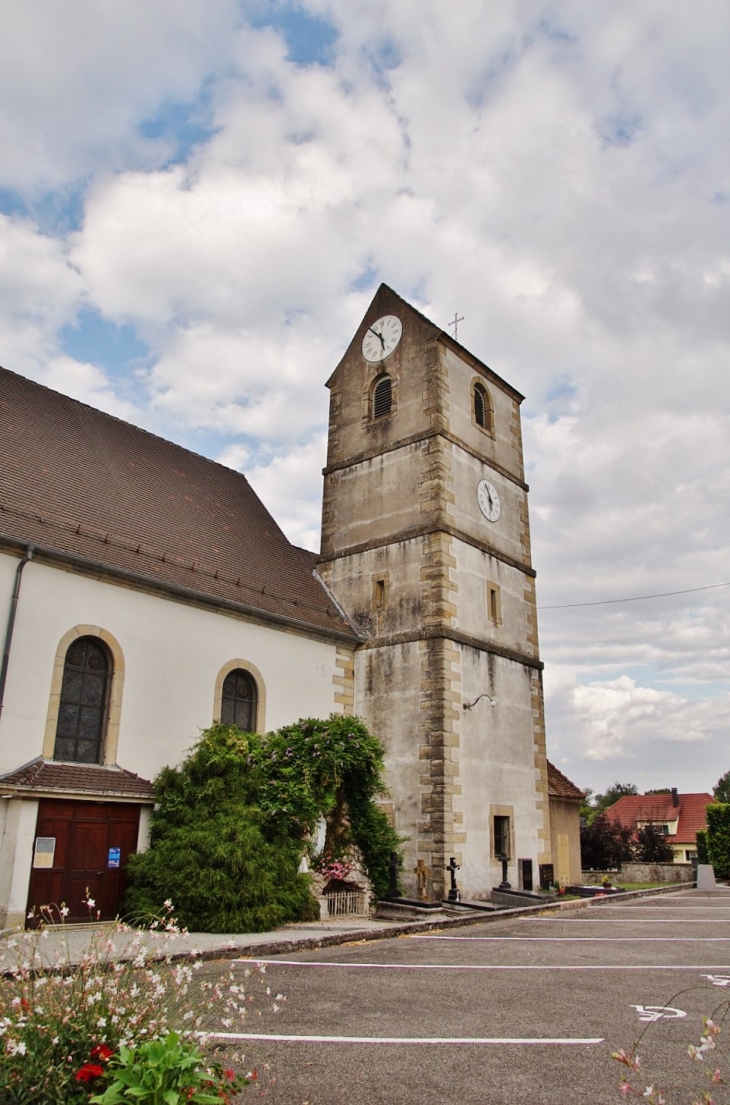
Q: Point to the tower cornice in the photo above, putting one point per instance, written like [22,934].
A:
[414,439]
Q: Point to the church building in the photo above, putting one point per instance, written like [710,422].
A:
[149,592]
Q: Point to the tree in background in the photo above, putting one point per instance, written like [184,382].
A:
[595,804]
[604,844]
[650,845]
[721,789]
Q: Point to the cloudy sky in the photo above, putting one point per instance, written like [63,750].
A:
[198,199]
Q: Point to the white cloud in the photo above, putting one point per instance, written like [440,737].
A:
[557,174]
[88,383]
[78,78]
[290,486]
[39,293]
[619,729]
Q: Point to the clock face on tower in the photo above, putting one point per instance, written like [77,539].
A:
[381,338]
[488,499]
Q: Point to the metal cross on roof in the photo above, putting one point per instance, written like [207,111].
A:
[455,323]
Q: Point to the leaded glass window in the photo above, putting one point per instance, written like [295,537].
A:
[84,705]
[239,700]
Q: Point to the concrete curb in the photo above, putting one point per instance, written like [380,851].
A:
[368,935]
[283,946]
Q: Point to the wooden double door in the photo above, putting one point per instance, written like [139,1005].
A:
[81,850]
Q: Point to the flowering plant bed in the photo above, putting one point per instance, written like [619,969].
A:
[69,1030]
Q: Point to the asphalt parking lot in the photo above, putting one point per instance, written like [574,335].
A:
[522,1010]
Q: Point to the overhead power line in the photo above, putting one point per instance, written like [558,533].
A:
[636,598]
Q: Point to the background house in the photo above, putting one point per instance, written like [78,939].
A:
[565,799]
[678,816]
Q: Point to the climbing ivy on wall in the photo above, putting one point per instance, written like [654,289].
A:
[233,822]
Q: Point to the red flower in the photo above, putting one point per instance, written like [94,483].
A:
[101,1051]
[89,1072]
[230,1074]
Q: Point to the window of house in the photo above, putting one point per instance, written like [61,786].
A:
[84,707]
[239,700]
[483,409]
[501,836]
[382,396]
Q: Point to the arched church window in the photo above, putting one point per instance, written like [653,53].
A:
[483,408]
[84,707]
[382,396]
[239,701]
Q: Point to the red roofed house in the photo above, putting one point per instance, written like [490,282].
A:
[679,816]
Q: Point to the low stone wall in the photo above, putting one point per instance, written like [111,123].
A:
[656,872]
[594,878]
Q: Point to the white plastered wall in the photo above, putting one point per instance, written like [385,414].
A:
[17,836]
[496,768]
[173,654]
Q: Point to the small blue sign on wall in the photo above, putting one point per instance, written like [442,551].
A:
[115,855]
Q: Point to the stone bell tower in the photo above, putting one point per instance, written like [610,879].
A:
[425,544]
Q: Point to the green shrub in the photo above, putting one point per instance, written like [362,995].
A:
[166,1072]
[234,818]
[651,846]
[718,838]
[64,1022]
[604,845]
[226,865]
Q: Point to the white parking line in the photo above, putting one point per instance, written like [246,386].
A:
[587,939]
[665,908]
[625,920]
[488,966]
[400,1040]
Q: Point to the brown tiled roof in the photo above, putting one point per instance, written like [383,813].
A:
[690,812]
[83,485]
[560,786]
[63,778]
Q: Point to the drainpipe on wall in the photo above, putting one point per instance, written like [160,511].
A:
[11,622]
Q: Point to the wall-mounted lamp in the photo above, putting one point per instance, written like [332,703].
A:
[468,705]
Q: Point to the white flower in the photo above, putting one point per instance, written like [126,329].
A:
[64,911]
[90,902]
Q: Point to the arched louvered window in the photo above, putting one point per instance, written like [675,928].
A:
[239,701]
[84,708]
[483,409]
[382,396]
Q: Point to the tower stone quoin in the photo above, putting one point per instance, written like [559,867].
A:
[426,546]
